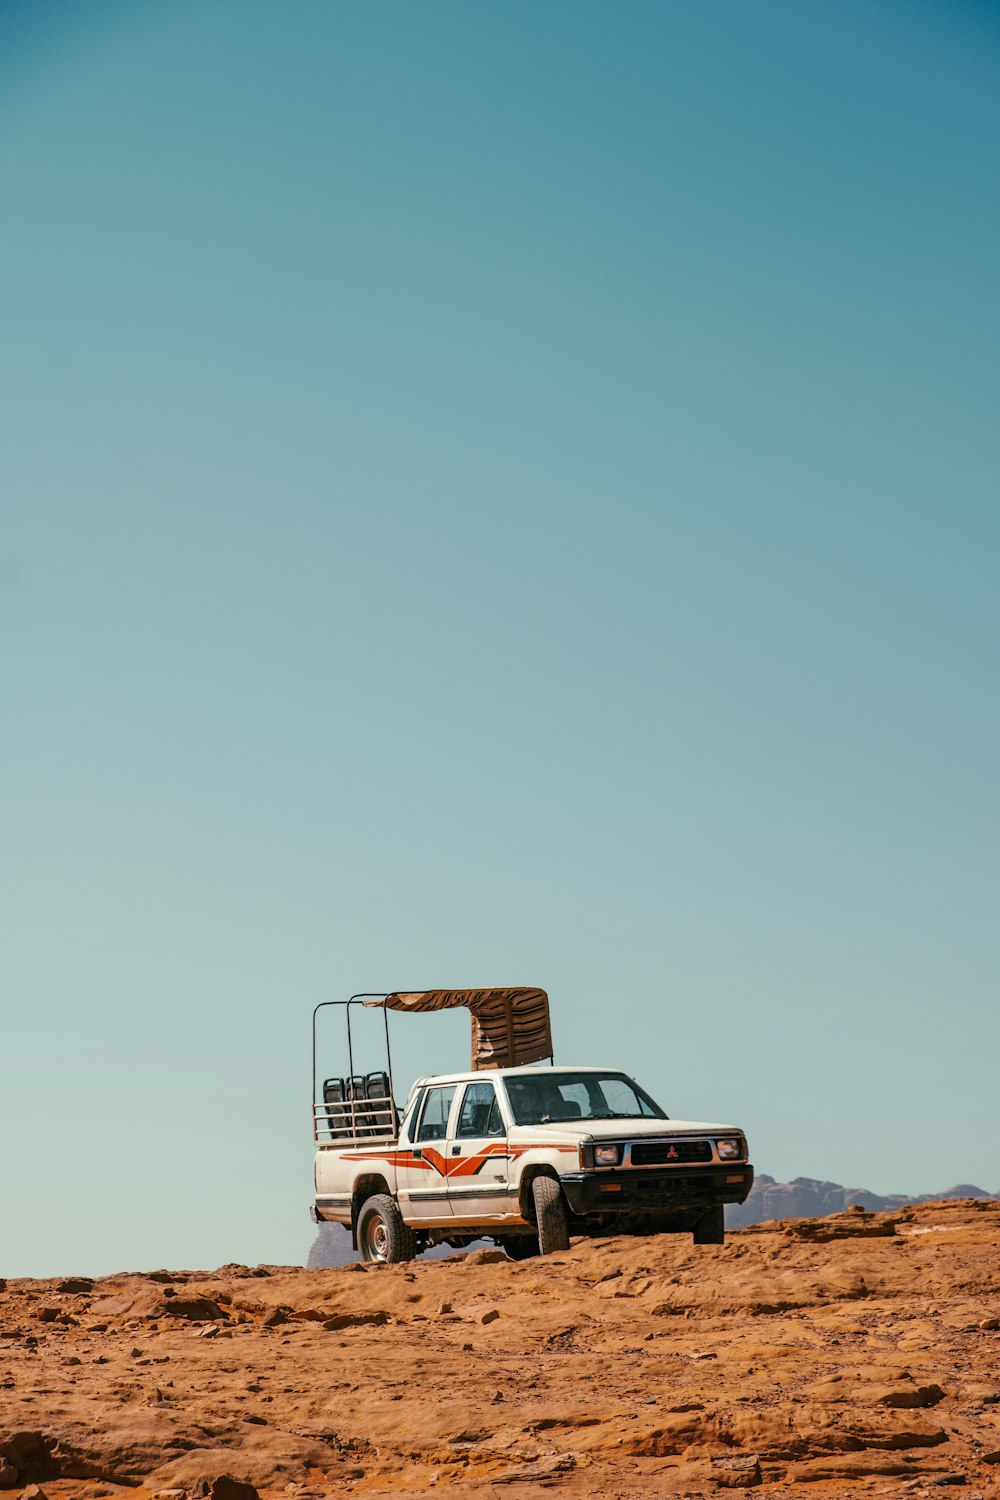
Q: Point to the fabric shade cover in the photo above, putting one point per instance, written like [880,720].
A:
[509,1026]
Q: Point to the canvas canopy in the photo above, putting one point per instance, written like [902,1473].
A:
[509,1026]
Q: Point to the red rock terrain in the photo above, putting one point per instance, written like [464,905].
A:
[856,1354]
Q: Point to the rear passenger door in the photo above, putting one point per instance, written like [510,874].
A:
[478,1174]
[422,1171]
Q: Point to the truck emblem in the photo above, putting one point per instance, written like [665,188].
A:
[672,1154]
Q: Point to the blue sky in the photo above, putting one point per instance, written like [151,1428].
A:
[492,494]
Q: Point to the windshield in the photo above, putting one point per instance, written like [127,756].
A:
[548,1096]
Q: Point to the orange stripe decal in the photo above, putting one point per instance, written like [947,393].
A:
[430,1159]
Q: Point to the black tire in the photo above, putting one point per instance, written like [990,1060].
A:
[711,1227]
[550,1212]
[519,1246]
[383,1238]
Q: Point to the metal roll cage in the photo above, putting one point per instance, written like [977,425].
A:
[349,1108]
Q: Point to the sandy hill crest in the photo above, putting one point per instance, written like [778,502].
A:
[855,1354]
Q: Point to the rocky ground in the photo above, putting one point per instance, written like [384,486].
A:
[856,1354]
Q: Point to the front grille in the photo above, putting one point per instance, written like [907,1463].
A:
[686,1188]
[661,1153]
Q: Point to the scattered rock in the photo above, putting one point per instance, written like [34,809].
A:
[227,1488]
[28,1452]
[848,1466]
[489,1316]
[144,1302]
[546,1468]
[912,1434]
[853,1225]
[196,1309]
[265,1459]
[912,1397]
[356,1320]
[740,1473]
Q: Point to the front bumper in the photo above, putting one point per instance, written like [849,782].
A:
[643,1192]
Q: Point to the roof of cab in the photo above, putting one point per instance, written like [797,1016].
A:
[529,1071]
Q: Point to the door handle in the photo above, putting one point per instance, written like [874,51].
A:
[418,1155]
[456,1150]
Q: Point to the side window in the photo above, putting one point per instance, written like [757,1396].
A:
[434,1119]
[495,1124]
[412,1115]
[479,1110]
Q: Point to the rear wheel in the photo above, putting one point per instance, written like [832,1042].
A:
[711,1227]
[550,1212]
[519,1246]
[382,1236]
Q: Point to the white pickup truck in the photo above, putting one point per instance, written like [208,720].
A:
[526,1155]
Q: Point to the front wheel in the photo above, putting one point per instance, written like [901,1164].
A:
[711,1227]
[550,1212]
[383,1238]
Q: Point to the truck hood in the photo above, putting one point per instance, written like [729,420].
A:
[617,1130]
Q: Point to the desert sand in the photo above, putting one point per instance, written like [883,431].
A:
[856,1354]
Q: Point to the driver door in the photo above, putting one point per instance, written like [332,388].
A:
[478,1171]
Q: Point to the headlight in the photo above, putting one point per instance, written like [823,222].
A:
[731,1150]
[607,1156]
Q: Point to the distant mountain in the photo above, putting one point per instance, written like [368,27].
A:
[803,1198]
[808,1198]
[331,1247]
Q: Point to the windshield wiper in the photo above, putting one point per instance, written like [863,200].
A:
[607,1114]
[612,1114]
